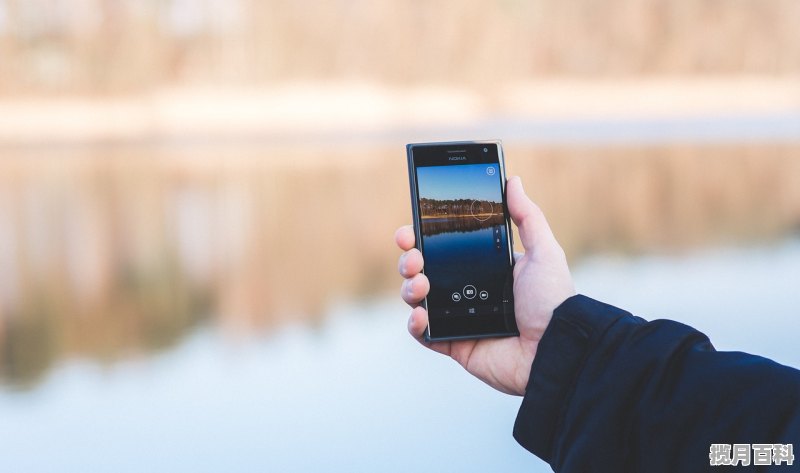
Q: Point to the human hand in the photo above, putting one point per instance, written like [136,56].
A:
[542,281]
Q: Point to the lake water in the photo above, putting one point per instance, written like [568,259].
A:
[451,259]
[202,307]
[354,392]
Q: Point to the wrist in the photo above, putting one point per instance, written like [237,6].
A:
[523,372]
[575,326]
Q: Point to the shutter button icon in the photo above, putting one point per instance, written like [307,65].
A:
[469,291]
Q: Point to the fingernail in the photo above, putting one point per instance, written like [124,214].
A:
[410,287]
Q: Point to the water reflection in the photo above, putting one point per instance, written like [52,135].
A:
[435,226]
[355,393]
[450,262]
[111,251]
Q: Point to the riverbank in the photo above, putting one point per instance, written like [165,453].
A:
[301,114]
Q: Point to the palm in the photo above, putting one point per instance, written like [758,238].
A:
[487,359]
[541,282]
[504,363]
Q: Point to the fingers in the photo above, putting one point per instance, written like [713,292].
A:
[414,289]
[417,324]
[410,263]
[526,215]
[404,237]
[416,285]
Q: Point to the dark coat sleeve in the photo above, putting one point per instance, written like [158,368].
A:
[609,391]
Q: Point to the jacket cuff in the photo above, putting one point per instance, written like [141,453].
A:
[576,326]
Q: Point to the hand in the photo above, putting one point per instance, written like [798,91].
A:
[541,283]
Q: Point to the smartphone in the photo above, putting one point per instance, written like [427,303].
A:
[462,228]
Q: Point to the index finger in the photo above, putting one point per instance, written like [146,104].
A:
[404,236]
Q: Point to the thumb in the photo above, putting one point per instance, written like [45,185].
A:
[533,227]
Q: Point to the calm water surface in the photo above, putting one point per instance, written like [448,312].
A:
[451,259]
[356,393]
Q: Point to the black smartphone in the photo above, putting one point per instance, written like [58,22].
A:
[462,228]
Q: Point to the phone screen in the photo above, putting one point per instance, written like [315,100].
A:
[463,233]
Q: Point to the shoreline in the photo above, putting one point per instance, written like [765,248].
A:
[427,217]
[308,113]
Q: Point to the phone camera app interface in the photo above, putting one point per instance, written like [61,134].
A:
[464,237]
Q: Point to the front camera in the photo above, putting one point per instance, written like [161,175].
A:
[485,150]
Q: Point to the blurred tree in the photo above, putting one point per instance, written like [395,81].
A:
[123,45]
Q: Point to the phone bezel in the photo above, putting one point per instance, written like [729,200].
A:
[472,326]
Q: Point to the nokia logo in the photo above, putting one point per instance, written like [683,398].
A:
[457,158]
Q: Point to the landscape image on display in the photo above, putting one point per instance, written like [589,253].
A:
[462,215]
[464,237]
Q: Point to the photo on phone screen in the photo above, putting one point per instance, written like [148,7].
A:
[463,232]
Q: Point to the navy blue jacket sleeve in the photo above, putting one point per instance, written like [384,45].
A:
[609,391]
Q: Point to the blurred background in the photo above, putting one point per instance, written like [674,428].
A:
[198,197]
